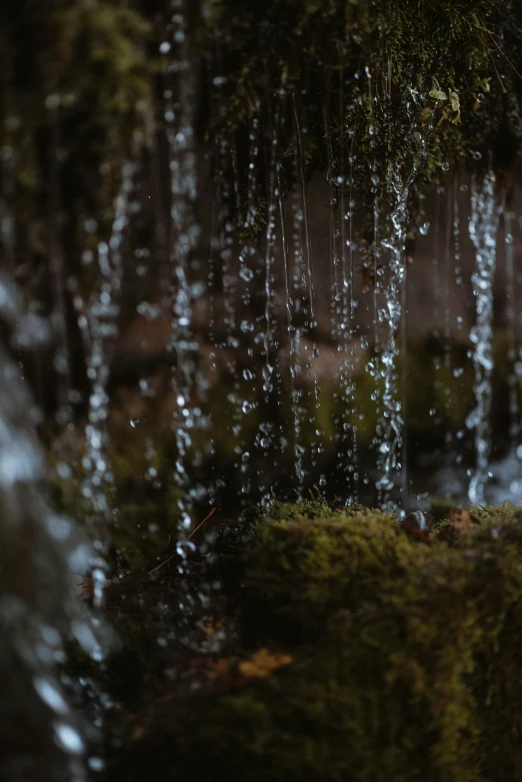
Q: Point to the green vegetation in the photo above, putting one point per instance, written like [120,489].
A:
[361,653]
[410,85]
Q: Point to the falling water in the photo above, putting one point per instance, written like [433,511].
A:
[57,266]
[447,341]
[483,226]
[247,262]
[99,325]
[391,423]
[458,371]
[514,366]
[347,327]
[40,552]
[185,233]
[265,440]
[299,300]
[437,298]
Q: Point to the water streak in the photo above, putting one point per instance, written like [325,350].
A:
[514,366]
[391,423]
[179,121]
[483,227]
[99,325]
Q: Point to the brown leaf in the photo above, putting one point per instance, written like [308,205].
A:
[461,519]
[262,663]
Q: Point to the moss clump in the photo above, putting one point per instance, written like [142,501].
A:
[403,664]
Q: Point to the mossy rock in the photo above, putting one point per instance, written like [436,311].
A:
[399,657]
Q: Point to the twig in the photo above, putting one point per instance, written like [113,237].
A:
[201,523]
[189,537]
[505,56]
[495,67]
[502,52]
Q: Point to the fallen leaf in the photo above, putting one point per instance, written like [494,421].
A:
[461,519]
[262,663]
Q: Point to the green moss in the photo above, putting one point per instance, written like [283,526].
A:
[440,508]
[405,661]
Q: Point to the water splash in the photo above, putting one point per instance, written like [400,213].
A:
[483,227]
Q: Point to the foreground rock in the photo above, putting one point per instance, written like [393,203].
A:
[340,647]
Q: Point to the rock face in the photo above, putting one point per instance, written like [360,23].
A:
[361,652]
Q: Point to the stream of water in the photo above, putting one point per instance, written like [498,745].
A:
[483,229]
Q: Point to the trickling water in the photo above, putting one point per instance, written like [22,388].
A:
[247,264]
[390,434]
[299,300]
[483,227]
[391,422]
[298,141]
[265,440]
[99,324]
[179,123]
[458,371]
[511,317]
[447,341]
[57,268]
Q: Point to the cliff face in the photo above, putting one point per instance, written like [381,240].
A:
[357,86]
[139,140]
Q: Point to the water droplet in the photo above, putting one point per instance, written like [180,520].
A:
[68,738]
[96,764]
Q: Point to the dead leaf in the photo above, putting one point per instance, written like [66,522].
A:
[262,663]
[461,519]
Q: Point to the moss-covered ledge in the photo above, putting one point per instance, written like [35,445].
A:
[360,651]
